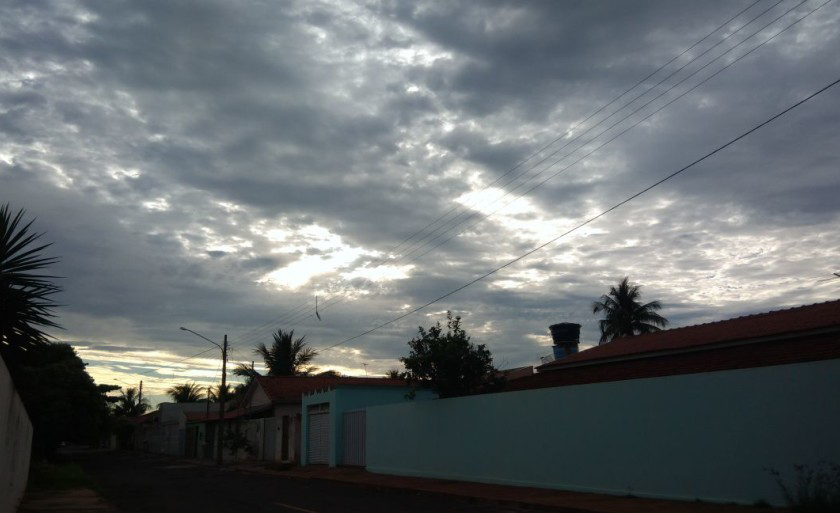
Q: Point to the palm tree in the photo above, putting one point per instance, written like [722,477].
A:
[287,357]
[245,371]
[186,393]
[624,315]
[215,393]
[129,404]
[25,293]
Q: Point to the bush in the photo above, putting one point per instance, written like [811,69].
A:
[816,489]
[234,440]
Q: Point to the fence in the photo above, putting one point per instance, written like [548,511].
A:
[710,436]
[15,443]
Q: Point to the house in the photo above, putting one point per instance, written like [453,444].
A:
[695,413]
[165,430]
[277,402]
[801,334]
[334,424]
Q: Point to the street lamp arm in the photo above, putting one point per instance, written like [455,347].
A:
[202,336]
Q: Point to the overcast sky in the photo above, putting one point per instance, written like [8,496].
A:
[216,165]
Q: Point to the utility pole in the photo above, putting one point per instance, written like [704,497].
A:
[222,391]
[140,395]
[222,394]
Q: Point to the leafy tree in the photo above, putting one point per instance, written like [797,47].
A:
[449,362]
[25,292]
[625,315]
[186,393]
[62,400]
[129,404]
[287,356]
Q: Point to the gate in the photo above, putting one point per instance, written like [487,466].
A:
[269,444]
[354,438]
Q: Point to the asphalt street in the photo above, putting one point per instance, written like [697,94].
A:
[144,483]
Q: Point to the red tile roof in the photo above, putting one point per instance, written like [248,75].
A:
[201,416]
[777,323]
[291,388]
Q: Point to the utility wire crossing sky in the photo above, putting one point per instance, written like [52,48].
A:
[215,166]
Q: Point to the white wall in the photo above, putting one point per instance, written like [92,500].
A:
[708,436]
[15,444]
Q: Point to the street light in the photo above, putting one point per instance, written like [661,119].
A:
[224,349]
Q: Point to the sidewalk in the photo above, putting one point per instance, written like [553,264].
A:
[80,500]
[571,502]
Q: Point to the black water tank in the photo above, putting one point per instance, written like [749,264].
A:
[565,332]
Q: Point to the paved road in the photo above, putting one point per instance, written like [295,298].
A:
[142,483]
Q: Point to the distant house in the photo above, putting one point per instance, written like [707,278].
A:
[165,429]
[802,334]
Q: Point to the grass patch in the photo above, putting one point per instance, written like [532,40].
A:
[61,476]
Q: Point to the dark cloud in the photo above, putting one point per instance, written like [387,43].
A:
[180,155]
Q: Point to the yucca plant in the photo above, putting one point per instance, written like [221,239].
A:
[25,292]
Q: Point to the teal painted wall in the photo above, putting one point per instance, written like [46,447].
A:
[708,436]
[349,399]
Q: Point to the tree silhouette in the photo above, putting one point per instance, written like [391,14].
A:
[396,374]
[186,393]
[625,315]
[449,362]
[25,292]
[128,404]
[286,356]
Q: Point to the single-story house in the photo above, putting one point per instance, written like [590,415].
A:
[334,424]
[696,413]
[277,399]
[801,334]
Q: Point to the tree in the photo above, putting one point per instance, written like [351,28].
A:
[287,357]
[62,400]
[449,362]
[129,404]
[625,315]
[25,292]
[245,371]
[186,393]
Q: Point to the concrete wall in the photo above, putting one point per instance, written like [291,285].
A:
[15,443]
[349,399]
[708,436]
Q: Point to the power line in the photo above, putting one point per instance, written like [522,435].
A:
[594,218]
[294,313]
[622,132]
[328,304]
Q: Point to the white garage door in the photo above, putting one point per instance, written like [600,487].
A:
[319,437]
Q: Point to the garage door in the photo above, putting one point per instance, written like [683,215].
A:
[354,438]
[319,437]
